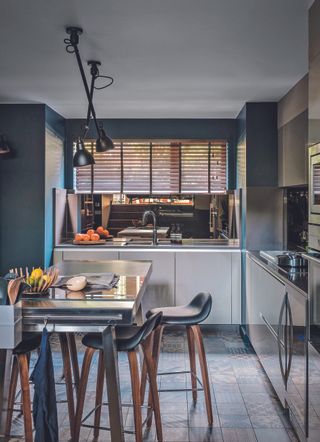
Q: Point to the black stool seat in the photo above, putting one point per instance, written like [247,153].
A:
[30,342]
[191,314]
[127,337]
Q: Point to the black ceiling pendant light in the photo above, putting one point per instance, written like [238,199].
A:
[4,146]
[103,142]
[82,157]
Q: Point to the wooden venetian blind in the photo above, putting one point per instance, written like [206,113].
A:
[165,166]
[136,167]
[194,168]
[218,168]
[107,172]
[147,167]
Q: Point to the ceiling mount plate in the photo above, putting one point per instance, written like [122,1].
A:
[74,30]
[93,62]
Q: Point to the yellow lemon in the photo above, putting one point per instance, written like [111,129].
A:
[36,274]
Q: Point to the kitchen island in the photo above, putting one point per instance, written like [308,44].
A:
[180,271]
[86,313]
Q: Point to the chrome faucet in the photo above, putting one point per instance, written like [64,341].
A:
[145,217]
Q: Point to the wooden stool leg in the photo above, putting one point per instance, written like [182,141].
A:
[157,338]
[152,374]
[156,343]
[82,392]
[67,377]
[144,373]
[193,365]
[25,391]
[12,394]
[74,358]
[135,383]
[204,371]
[99,395]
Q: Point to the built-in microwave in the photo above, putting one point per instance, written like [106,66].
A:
[314,181]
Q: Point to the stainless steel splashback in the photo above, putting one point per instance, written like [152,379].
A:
[65,215]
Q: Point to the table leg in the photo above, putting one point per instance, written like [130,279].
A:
[113,385]
[5,371]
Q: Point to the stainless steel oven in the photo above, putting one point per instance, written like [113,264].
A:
[314,180]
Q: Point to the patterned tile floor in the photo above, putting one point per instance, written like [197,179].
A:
[245,406]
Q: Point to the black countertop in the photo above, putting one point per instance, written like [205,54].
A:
[297,280]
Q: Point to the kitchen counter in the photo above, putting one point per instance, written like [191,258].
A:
[297,280]
[179,272]
[127,243]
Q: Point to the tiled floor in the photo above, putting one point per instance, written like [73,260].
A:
[244,404]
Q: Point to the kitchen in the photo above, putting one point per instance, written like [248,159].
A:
[170,214]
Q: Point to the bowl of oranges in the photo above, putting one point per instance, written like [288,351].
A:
[92,236]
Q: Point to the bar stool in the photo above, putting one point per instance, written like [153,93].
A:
[20,366]
[128,339]
[190,316]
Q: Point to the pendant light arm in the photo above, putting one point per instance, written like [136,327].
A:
[86,87]
[93,79]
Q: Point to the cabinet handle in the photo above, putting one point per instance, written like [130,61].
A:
[283,371]
[290,339]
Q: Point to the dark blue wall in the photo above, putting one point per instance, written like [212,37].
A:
[224,129]
[22,186]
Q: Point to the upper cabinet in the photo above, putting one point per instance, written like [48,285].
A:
[293,136]
[257,145]
[314,74]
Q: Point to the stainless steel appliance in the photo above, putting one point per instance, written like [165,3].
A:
[286,259]
[314,199]
[277,325]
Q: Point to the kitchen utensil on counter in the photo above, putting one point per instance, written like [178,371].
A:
[89,243]
[13,289]
[40,281]
[77,283]
[292,259]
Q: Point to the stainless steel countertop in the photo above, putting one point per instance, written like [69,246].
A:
[123,243]
[74,309]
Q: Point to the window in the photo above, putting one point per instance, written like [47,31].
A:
[218,168]
[136,167]
[156,167]
[194,168]
[165,168]
[107,172]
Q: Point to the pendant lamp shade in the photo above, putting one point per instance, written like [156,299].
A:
[104,142]
[82,157]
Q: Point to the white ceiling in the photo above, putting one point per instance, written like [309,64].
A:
[169,58]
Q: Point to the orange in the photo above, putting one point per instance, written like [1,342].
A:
[100,229]
[85,237]
[90,232]
[95,237]
[106,232]
[78,237]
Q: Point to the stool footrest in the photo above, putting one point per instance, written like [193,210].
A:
[169,373]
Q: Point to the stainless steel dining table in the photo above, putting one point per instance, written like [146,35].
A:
[85,312]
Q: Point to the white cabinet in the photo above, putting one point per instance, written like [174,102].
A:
[85,255]
[206,271]
[177,276]
[161,288]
